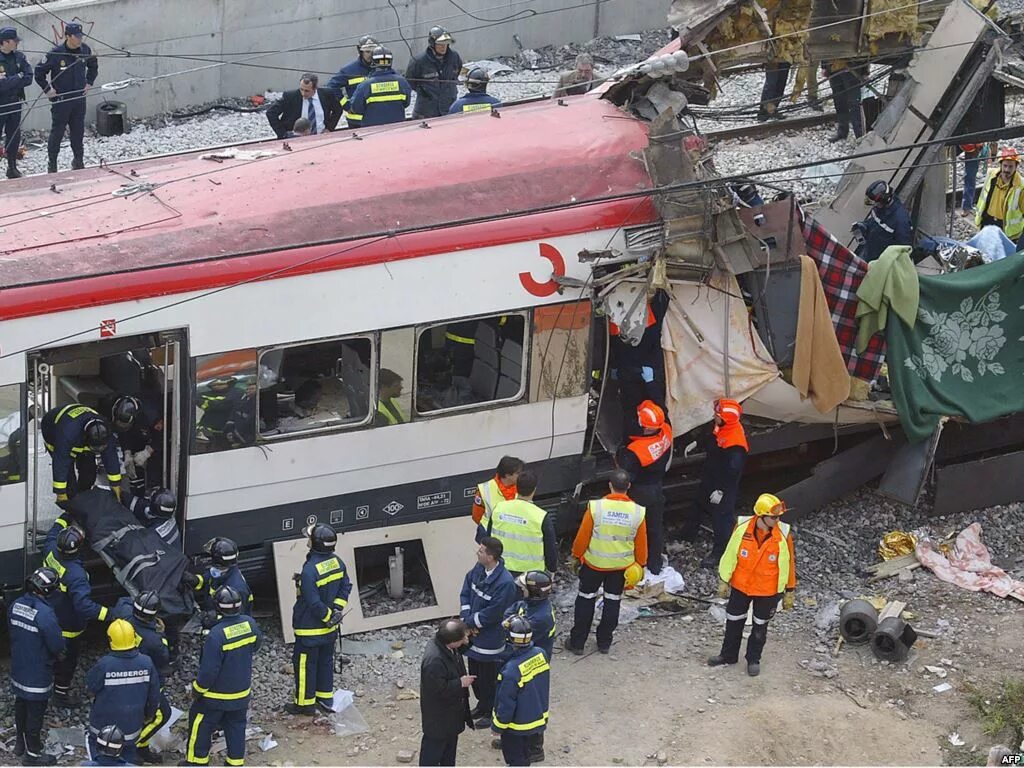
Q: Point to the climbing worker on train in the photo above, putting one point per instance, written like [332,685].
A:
[522,696]
[612,539]
[526,531]
[759,567]
[639,368]
[74,436]
[501,486]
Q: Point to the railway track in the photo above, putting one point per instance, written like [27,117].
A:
[771,127]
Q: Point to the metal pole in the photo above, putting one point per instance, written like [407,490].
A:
[952,201]
[165,458]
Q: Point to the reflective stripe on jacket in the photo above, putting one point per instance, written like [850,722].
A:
[324,586]
[541,615]
[1012,218]
[524,686]
[224,679]
[612,540]
[36,640]
[490,495]
[758,570]
[519,525]
[126,688]
[482,606]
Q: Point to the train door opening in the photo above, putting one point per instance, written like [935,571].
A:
[152,369]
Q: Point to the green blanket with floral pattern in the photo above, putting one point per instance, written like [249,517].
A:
[965,355]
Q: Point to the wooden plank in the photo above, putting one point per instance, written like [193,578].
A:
[892,610]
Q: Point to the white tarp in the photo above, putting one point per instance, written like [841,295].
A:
[697,338]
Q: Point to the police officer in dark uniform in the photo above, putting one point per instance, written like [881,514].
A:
[15,77]
[65,75]
[476,99]
[143,614]
[74,435]
[322,591]
[434,75]
[223,571]
[73,602]
[223,684]
[352,74]
[36,642]
[156,511]
[382,97]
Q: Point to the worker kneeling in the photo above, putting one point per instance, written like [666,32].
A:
[521,700]
[759,566]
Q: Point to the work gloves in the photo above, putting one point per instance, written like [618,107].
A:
[723,589]
[62,500]
[189,580]
[788,599]
[574,566]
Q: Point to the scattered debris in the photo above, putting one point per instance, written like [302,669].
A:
[268,743]
[889,568]
[969,565]
[942,687]
[939,672]
[404,756]
[955,740]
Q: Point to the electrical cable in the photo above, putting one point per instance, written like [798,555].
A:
[398,18]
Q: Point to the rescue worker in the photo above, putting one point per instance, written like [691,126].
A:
[487,591]
[74,436]
[322,590]
[10,465]
[501,486]
[758,567]
[776,74]
[389,412]
[36,643]
[73,601]
[382,97]
[143,614]
[612,536]
[220,404]
[640,369]
[476,99]
[157,512]
[725,456]
[126,689]
[109,747]
[66,75]
[521,699]
[15,77]
[352,74]
[434,75]
[578,80]
[223,684]
[646,458]
[888,222]
[1000,200]
[136,425]
[222,571]
[845,87]
[526,531]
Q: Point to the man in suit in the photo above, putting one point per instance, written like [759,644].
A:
[444,694]
[315,104]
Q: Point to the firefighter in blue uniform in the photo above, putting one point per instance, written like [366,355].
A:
[36,643]
[322,591]
[143,614]
[15,77]
[65,75]
[126,689]
[888,222]
[137,425]
[223,684]
[382,97]
[435,75]
[352,74]
[521,701]
[74,435]
[109,747]
[223,571]
[476,99]
[73,602]
[156,511]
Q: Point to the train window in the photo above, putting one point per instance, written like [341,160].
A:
[12,436]
[470,362]
[320,385]
[225,401]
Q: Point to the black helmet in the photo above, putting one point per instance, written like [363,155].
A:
[97,435]
[70,541]
[477,80]
[518,630]
[146,606]
[223,552]
[123,414]
[42,581]
[322,537]
[746,192]
[162,502]
[439,35]
[536,583]
[228,601]
[382,57]
[879,193]
[366,44]
[110,741]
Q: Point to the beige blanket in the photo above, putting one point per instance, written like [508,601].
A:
[819,369]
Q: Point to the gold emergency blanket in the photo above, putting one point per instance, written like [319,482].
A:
[895,544]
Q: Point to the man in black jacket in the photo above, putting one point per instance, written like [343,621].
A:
[318,105]
[434,75]
[444,694]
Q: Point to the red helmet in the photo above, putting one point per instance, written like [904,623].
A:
[1008,153]
[650,415]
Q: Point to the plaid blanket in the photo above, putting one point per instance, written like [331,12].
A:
[841,271]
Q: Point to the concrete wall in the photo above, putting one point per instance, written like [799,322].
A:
[326,30]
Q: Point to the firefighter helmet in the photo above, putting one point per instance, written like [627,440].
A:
[322,538]
[223,552]
[70,541]
[439,35]
[634,573]
[879,193]
[124,412]
[382,57]
[146,605]
[42,581]
[537,584]
[110,741]
[228,600]
[477,80]
[163,502]
[769,505]
[518,630]
[366,44]
[650,414]
[97,435]
[121,635]
[1008,153]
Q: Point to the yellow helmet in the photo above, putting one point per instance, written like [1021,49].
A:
[634,573]
[769,504]
[121,634]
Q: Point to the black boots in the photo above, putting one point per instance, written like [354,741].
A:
[299,709]
[77,164]
[12,171]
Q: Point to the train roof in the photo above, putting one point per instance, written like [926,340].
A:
[237,217]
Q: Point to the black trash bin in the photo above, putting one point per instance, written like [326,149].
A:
[112,118]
